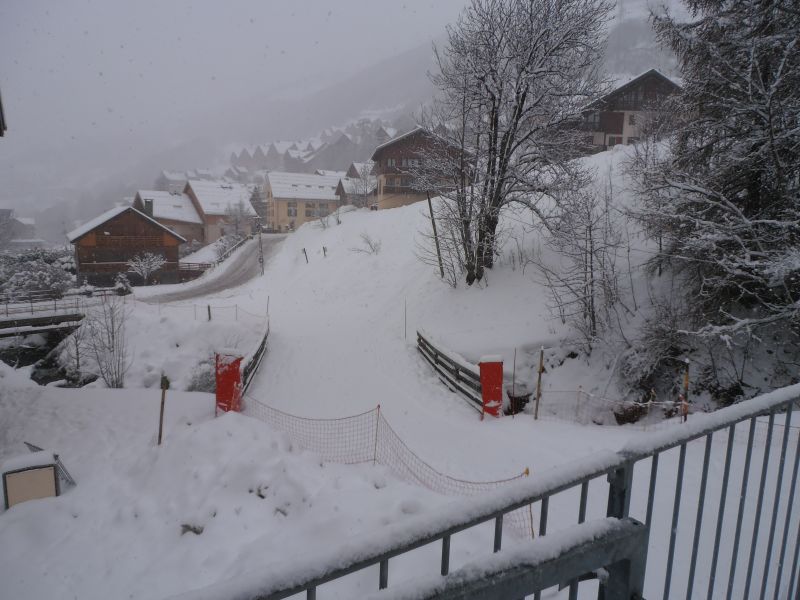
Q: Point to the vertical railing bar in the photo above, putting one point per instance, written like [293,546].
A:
[445,555]
[542,530]
[776,504]
[787,523]
[742,501]
[311,593]
[573,586]
[795,564]
[383,577]
[582,504]
[498,533]
[759,505]
[543,516]
[723,495]
[651,494]
[675,512]
[698,523]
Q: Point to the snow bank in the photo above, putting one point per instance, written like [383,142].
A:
[219,497]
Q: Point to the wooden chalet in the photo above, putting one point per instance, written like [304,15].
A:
[394,160]
[618,117]
[104,245]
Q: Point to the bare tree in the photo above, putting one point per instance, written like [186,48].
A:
[370,245]
[363,185]
[107,341]
[513,78]
[581,272]
[237,218]
[145,264]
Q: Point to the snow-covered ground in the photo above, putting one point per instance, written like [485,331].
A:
[342,341]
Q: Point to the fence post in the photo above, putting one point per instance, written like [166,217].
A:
[209,311]
[539,384]
[375,446]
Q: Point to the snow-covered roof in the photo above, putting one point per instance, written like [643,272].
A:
[303,185]
[398,138]
[219,197]
[361,166]
[173,175]
[282,146]
[79,232]
[299,154]
[26,220]
[28,461]
[630,82]
[354,185]
[327,173]
[172,206]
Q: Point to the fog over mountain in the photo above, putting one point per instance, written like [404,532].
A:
[99,96]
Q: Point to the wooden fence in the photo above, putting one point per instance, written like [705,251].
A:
[458,377]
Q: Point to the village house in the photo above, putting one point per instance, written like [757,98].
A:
[104,245]
[359,169]
[223,206]
[172,209]
[296,198]
[394,162]
[618,117]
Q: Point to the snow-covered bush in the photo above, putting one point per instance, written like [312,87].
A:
[36,276]
[145,264]
[36,270]
[122,287]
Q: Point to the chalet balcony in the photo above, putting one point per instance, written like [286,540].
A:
[400,189]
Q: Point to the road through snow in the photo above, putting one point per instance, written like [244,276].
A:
[242,268]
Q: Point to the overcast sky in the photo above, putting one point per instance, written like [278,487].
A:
[78,74]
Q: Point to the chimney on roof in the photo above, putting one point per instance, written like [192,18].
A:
[148,207]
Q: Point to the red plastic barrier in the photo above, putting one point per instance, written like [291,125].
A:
[492,384]
[229,382]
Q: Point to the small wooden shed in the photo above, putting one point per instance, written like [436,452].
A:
[104,245]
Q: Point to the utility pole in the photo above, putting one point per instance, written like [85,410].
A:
[260,246]
[435,236]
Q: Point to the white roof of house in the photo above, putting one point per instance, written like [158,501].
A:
[107,216]
[174,175]
[283,146]
[360,166]
[354,185]
[172,206]
[326,173]
[303,185]
[219,197]
[301,154]
[399,137]
[26,220]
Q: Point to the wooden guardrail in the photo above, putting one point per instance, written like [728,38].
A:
[457,377]
[254,361]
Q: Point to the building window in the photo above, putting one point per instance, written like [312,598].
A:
[391,162]
[291,209]
[309,209]
[631,119]
[614,140]
[323,209]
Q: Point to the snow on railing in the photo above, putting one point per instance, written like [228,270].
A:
[629,490]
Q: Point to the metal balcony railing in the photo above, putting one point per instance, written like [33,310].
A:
[729,533]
